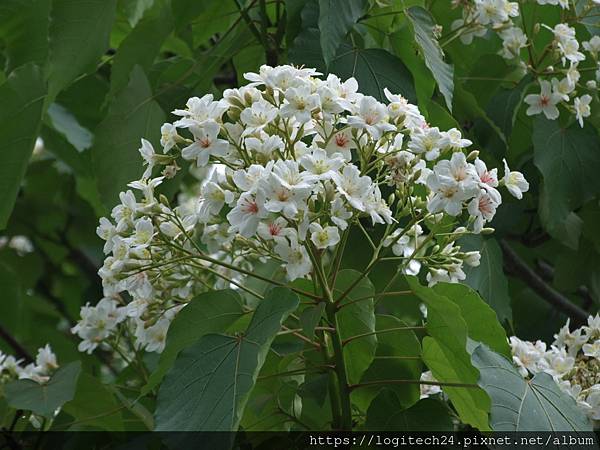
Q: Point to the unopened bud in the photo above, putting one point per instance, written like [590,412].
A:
[591,84]
[487,230]
[391,199]
[536,28]
[473,155]
[164,200]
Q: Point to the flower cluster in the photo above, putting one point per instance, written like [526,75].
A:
[573,360]
[283,168]
[40,371]
[20,244]
[559,68]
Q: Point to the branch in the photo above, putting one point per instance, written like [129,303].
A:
[546,271]
[545,291]
[20,351]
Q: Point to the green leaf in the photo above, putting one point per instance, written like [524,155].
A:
[569,160]
[141,46]
[78,37]
[132,116]
[455,312]
[443,72]
[448,366]
[94,405]
[211,381]
[336,19]
[525,405]
[386,414]
[134,10]
[354,319]
[481,320]
[398,356]
[311,317]
[209,312]
[24,32]
[22,97]
[66,124]
[44,399]
[488,278]
[502,109]
[374,69]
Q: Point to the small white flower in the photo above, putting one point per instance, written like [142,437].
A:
[323,237]
[544,102]
[514,181]
[582,107]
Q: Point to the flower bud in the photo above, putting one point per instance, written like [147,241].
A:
[473,155]
[487,230]
[591,84]
[536,28]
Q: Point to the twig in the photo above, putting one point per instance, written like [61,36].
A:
[16,346]
[545,291]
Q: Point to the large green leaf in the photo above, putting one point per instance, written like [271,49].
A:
[448,366]
[336,19]
[132,115]
[443,72]
[141,46]
[22,97]
[569,160]
[356,318]
[24,31]
[525,405]
[79,34]
[373,68]
[398,356]
[44,399]
[503,107]
[209,312]
[94,405]
[482,322]
[211,381]
[488,278]
[386,414]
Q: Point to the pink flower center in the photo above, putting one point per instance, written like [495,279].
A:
[544,100]
[274,229]
[341,140]
[250,207]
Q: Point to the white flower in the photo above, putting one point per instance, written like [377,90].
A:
[168,136]
[206,144]
[213,200]
[339,214]
[97,323]
[46,359]
[320,164]
[559,362]
[592,330]
[529,357]
[592,350]
[296,257]
[144,232]
[544,102]
[593,46]
[483,208]
[427,140]
[582,107]
[513,40]
[246,215]
[300,103]
[323,237]
[515,182]
[200,110]
[352,186]
[372,116]
[563,88]
[152,338]
[257,117]
[572,340]
[341,142]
